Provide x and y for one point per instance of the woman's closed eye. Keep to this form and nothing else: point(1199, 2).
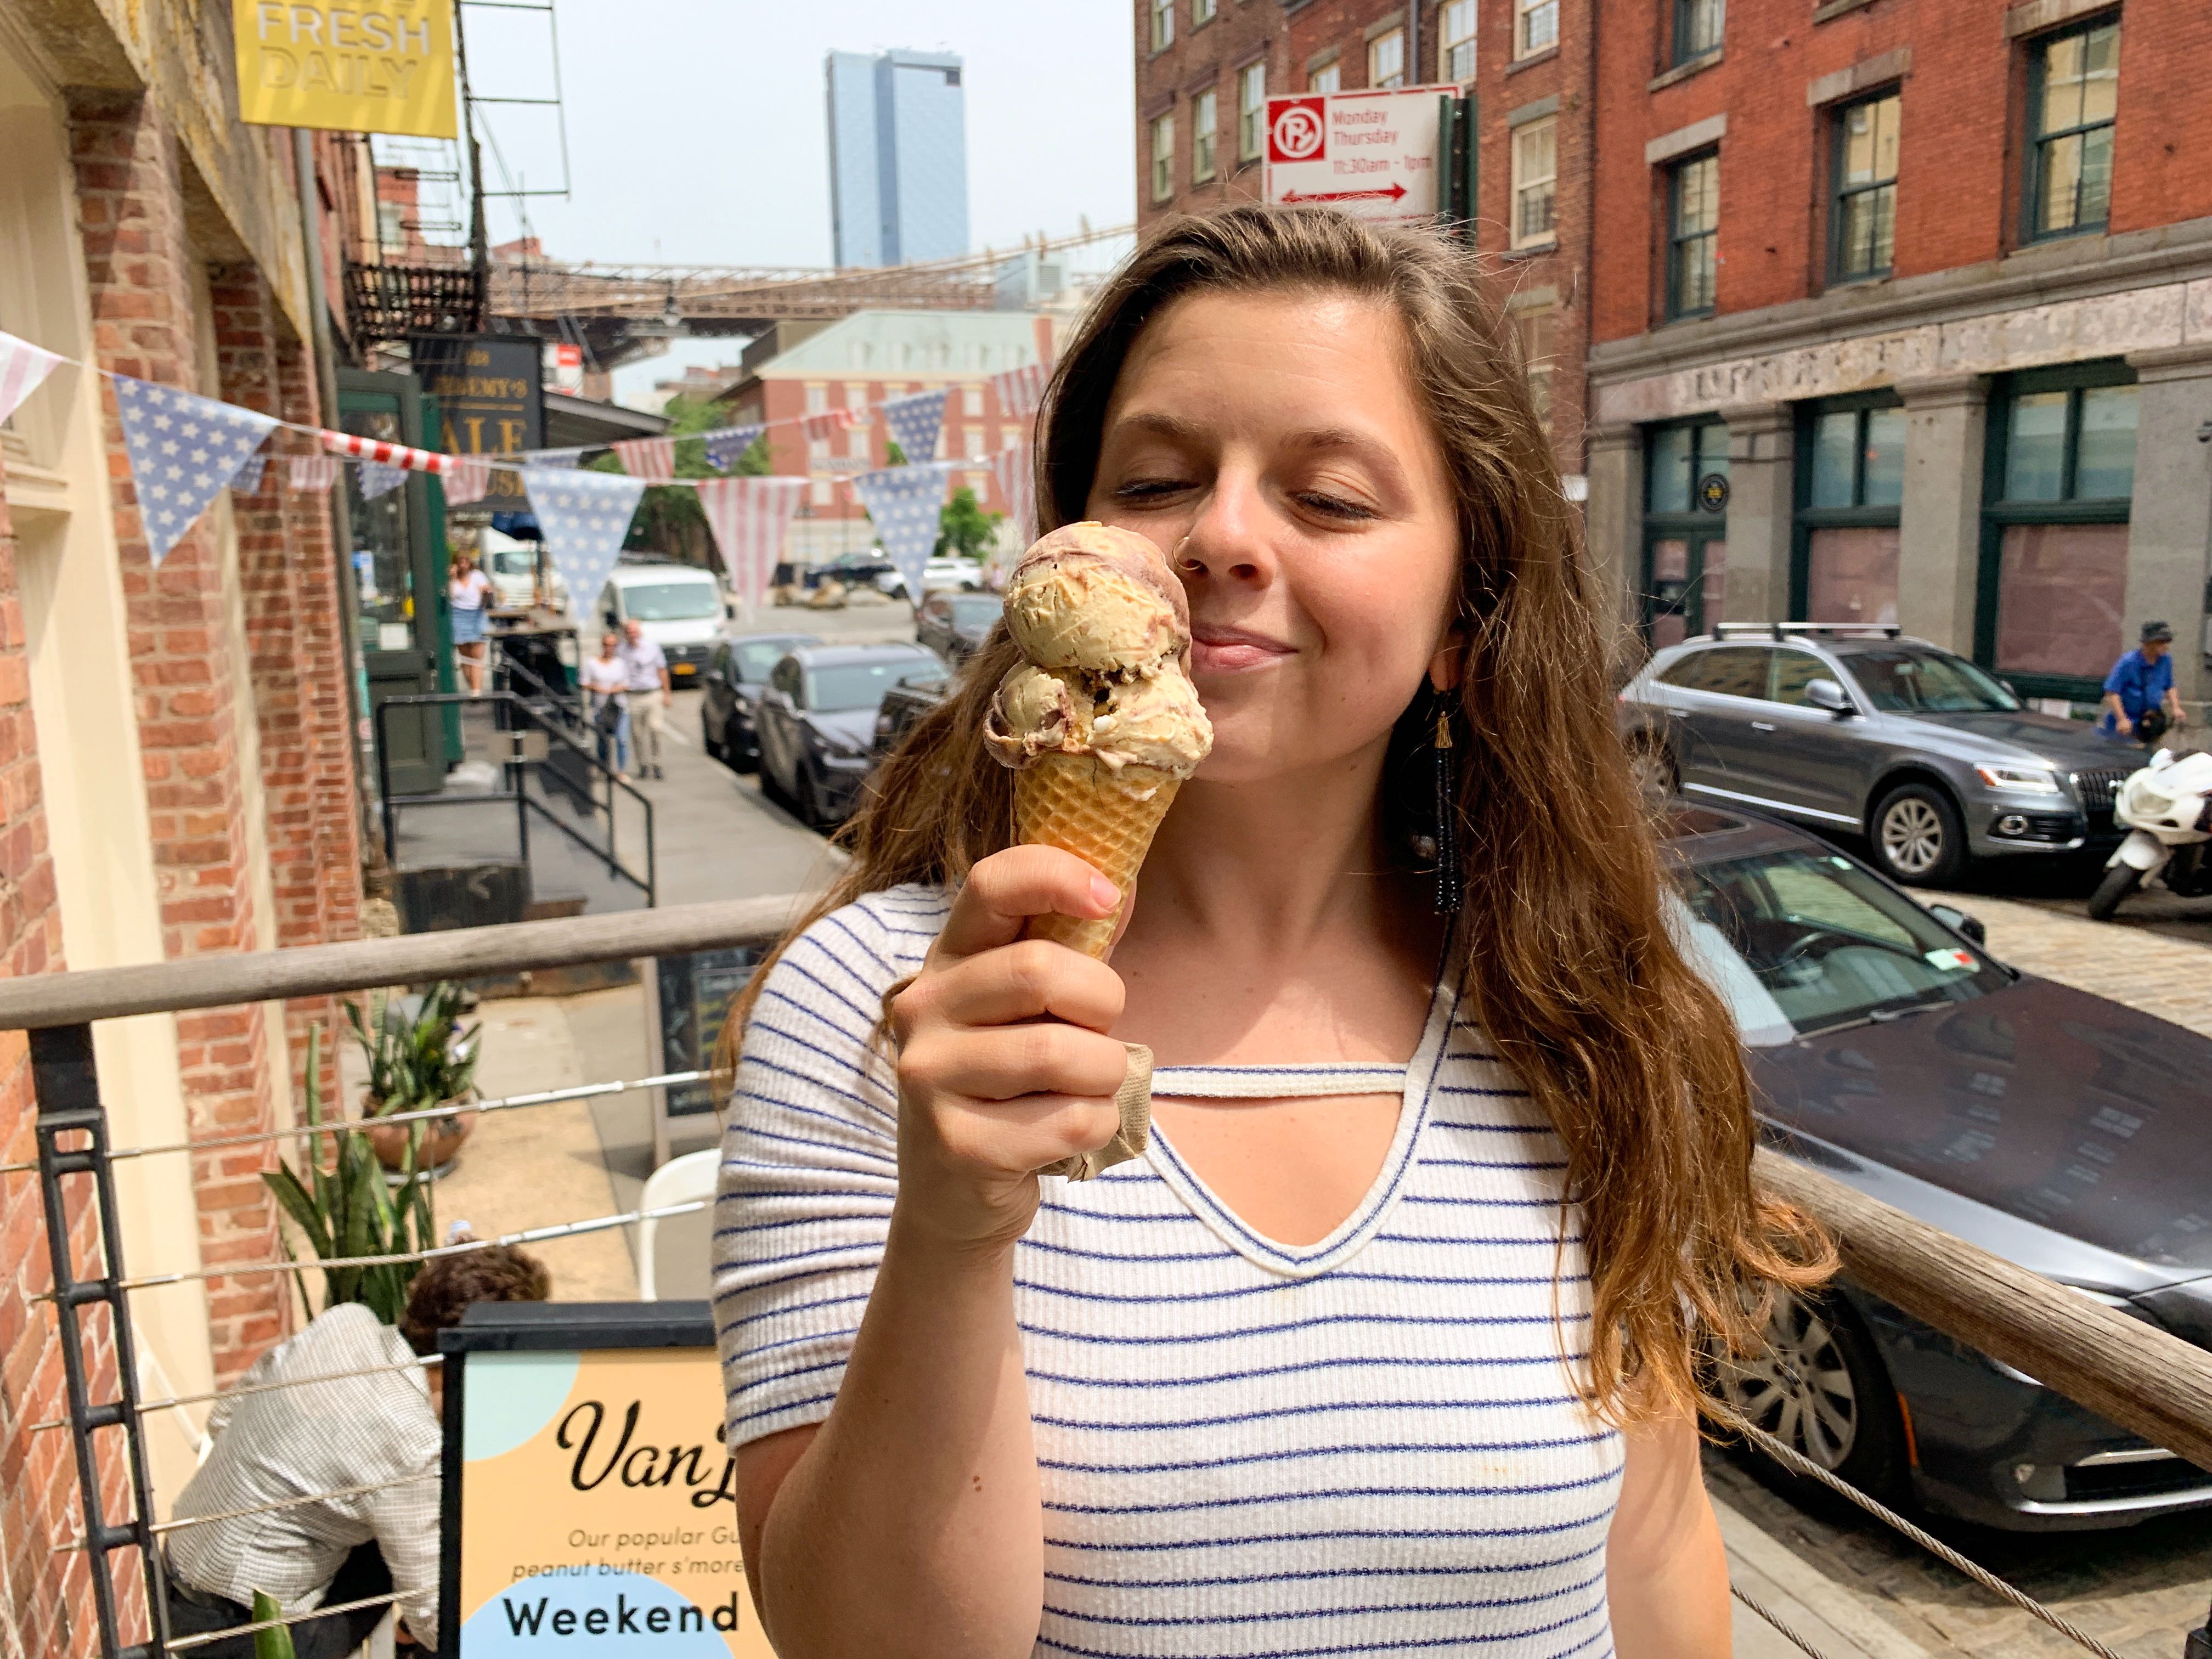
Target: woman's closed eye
point(1145, 491)
point(1340, 507)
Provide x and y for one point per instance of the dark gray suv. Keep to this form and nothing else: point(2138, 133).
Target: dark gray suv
point(1864, 729)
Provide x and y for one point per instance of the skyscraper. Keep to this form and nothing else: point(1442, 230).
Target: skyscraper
point(898, 157)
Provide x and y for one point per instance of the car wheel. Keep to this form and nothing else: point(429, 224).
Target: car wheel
point(2113, 891)
point(1653, 769)
point(1918, 838)
point(807, 802)
point(1821, 1390)
point(707, 741)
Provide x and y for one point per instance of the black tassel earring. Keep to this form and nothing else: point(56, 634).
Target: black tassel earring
point(1447, 822)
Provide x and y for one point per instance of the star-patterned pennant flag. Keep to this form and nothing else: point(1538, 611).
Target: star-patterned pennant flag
point(903, 502)
point(183, 450)
point(22, 368)
point(583, 517)
point(377, 479)
point(550, 457)
point(749, 518)
point(725, 448)
point(1019, 390)
point(652, 459)
point(468, 478)
point(914, 423)
point(246, 481)
point(312, 471)
point(1016, 470)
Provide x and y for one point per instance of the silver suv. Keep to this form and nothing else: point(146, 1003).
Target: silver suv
point(1863, 729)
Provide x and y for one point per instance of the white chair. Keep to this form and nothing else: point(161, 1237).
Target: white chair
point(679, 1181)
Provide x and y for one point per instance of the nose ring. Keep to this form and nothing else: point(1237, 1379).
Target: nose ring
point(1182, 563)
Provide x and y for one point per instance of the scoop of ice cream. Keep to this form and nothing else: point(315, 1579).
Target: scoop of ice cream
point(1036, 711)
point(1157, 722)
point(1091, 597)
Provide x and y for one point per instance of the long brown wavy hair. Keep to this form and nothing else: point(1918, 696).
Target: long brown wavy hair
point(1561, 943)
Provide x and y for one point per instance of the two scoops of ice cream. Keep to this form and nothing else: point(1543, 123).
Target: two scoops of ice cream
point(1099, 721)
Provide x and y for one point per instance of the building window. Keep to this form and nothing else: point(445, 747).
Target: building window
point(817, 397)
point(1684, 534)
point(1203, 116)
point(975, 450)
point(2060, 480)
point(1328, 78)
point(1201, 11)
point(1535, 183)
point(1163, 24)
point(1694, 217)
point(1386, 60)
point(1535, 26)
point(1456, 42)
point(1850, 482)
point(1863, 218)
point(2074, 92)
point(1164, 157)
point(1539, 354)
point(1698, 27)
point(1251, 110)
point(971, 400)
point(856, 445)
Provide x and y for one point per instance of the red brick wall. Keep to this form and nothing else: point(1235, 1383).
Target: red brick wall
point(1202, 58)
point(1961, 138)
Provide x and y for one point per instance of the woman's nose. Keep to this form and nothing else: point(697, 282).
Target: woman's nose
point(1227, 541)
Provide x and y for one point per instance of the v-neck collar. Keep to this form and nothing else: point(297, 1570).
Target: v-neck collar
point(1310, 1260)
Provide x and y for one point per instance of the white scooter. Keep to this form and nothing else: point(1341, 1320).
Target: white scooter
point(2165, 807)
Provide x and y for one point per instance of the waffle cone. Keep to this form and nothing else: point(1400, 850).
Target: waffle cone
point(1103, 817)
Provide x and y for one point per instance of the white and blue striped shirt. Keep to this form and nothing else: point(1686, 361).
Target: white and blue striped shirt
point(1367, 1445)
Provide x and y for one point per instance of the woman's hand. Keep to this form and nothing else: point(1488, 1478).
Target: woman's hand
point(1003, 1063)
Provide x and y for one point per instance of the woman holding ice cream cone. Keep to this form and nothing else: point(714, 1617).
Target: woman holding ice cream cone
point(1377, 1332)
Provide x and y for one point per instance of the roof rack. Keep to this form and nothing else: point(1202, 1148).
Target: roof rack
point(1777, 630)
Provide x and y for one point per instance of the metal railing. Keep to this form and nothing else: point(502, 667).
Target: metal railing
point(2136, 1375)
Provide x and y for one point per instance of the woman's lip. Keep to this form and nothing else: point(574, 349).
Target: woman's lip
point(1232, 650)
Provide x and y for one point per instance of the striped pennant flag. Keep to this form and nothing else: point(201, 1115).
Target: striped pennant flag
point(652, 459)
point(312, 471)
point(22, 368)
point(831, 421)
point(751, 518)
point(1016, 470)
point(1019, 390)
point(467, 479)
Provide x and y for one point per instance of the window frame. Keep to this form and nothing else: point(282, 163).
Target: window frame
point(1518, 186)
point(1164, 32)
point(2000, 513)
point(1203, 12)
point(1806, 518)
point(2037, 146)
point(1677, 171)
point(1375, 78)
point(1205, 136)
point(1251, 112)
point(1685, 14)
point(1524, 11)
point(1162, 157)
point(1448, 44)
point(1334, 70)
point(1837, 190)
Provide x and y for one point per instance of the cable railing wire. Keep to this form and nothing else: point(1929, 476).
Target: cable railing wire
point(181, 1644)
point(1798, 1463)
point(147, 1407)
point(1783, 1629)
point(276, 1507)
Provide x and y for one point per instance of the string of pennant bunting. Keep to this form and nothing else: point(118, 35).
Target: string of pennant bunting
point(184, 449)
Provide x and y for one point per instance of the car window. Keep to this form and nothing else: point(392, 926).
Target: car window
point(975, 610)
point(1793, 672)
point(1734, 670)
point(673, 601)
point(1903, 679)
point(937, 611)
point(1799, 941)
point(855, 685)
point(757, 662)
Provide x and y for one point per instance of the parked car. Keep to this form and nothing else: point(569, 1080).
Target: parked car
point(680, 607)
point(955, 625)
point(951, 572)
point(866, 567)
point(816, 720)
point(1934, 760)
point(737, 671)
point(1891, 1051)
point(902, 705)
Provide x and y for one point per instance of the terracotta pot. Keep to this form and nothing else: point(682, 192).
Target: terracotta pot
point(442, 1138)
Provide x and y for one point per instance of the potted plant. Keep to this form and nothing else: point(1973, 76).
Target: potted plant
point(351, 1208)
point(415, 1063)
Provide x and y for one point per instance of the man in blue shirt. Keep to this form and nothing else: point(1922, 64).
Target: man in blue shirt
point(2140, 701)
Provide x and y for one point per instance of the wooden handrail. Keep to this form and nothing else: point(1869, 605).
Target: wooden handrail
point(2135, 1374)
point(215, 982)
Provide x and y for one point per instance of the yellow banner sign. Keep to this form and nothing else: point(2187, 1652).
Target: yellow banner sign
point(347, 65)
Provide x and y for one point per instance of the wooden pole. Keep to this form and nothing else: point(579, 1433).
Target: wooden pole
point(2120, 1368)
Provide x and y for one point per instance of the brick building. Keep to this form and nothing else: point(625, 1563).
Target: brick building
point(813, 368)
point(1205, 68)
point(176, 772)
point(1924, 288)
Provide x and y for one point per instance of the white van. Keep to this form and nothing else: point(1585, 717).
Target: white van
point(513, 567)
point(679, 607)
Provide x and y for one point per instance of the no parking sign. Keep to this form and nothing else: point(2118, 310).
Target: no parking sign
point(1370, 154)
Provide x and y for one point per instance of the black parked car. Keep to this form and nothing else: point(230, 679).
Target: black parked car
point(902, 705)
point(2054, 1128)
point(955, 625)
point(737, 671)
point(816, 720)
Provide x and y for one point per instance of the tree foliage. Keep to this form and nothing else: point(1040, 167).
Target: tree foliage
point(964, 528)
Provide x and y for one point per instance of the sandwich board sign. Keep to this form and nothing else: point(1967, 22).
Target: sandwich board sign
point(1370, 154)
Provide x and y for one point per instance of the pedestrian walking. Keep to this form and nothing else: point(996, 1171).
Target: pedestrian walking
point(2140, 701)
point(468, 593)
point(1390, 1338)
point(646, 668)
point(606, 683)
